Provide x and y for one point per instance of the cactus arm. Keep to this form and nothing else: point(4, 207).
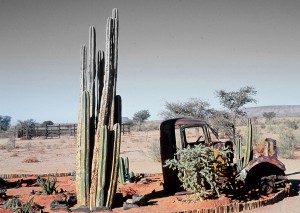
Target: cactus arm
point(238, 155)
point(121, 171)
point(100, 196)
point(114, 166)
point(126, 167)
point(249, 146)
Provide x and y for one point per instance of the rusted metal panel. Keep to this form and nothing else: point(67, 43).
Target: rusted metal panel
point(265, 159)
point(188, 121)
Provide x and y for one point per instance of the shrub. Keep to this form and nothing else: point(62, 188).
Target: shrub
point(28, 146)
point(263, 126)
point(287, 144)
point(12, 204)
point(11, 144)
point(154, 152)
point(199, 169)
point(15, 205)
point(30, 160)
point(292, 125)
point(14, 155)
point(8, 133)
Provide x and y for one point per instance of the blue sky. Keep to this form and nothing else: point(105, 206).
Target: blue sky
point(169, 50)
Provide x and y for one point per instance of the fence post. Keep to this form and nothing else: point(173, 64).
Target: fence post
point(74, 129)
point(58, 130)
point(46, 133)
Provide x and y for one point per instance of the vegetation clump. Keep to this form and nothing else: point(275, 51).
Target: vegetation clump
point(48, 186)
point(287, 145)
point(199, 169)
point(16, 206)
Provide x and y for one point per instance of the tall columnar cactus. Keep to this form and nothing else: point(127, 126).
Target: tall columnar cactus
point(99, 120)
point(242, 159)
point(249, 146)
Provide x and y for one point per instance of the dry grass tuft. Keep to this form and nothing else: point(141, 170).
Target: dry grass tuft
point(31, 159)
point(14, 155)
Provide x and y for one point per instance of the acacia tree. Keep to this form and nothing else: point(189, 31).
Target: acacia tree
point(193, 108)
point(233, 101)
point(48, 123)
point(221, 120)
point(4, 122)
point(140, 116)
point(26, 127)
point(269, 115)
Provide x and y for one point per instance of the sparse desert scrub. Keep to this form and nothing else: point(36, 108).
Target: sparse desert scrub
point(154, 151)
point(41, 150)
point(31, 159)
point(287, 144)
point(15, 154)
point(292, 124)
point(28, 146)
point(9, 145)
point(62, 140)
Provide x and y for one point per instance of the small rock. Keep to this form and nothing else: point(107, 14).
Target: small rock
point(129, 201)
point(82, 209)
point(139, 200)
point(24, 184)
point(101, 209)
point(127, 206)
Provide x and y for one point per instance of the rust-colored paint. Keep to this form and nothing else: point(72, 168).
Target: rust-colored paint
point(264, 159)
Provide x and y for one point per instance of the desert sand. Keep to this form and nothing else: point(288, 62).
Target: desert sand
point(57, 155)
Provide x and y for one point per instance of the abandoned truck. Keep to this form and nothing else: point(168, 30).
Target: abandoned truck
point(264, 172)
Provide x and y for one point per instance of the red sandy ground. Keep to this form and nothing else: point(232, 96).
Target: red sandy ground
point(58, 155)
point(152, 188)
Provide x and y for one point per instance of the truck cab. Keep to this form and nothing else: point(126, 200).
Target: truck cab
point(179, 133)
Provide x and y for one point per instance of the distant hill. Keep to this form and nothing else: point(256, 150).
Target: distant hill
point(281, 110)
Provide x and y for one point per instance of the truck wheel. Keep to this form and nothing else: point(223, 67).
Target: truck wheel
point(266, 186)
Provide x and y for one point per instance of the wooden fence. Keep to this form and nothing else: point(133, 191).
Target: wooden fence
point(57, 130)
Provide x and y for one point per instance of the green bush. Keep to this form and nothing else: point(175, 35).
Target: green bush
point(199, 169)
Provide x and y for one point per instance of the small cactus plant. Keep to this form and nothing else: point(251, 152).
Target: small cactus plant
point(124, 174)
point(48, 186)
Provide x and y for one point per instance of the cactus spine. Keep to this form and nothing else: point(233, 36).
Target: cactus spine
point(99, 120)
